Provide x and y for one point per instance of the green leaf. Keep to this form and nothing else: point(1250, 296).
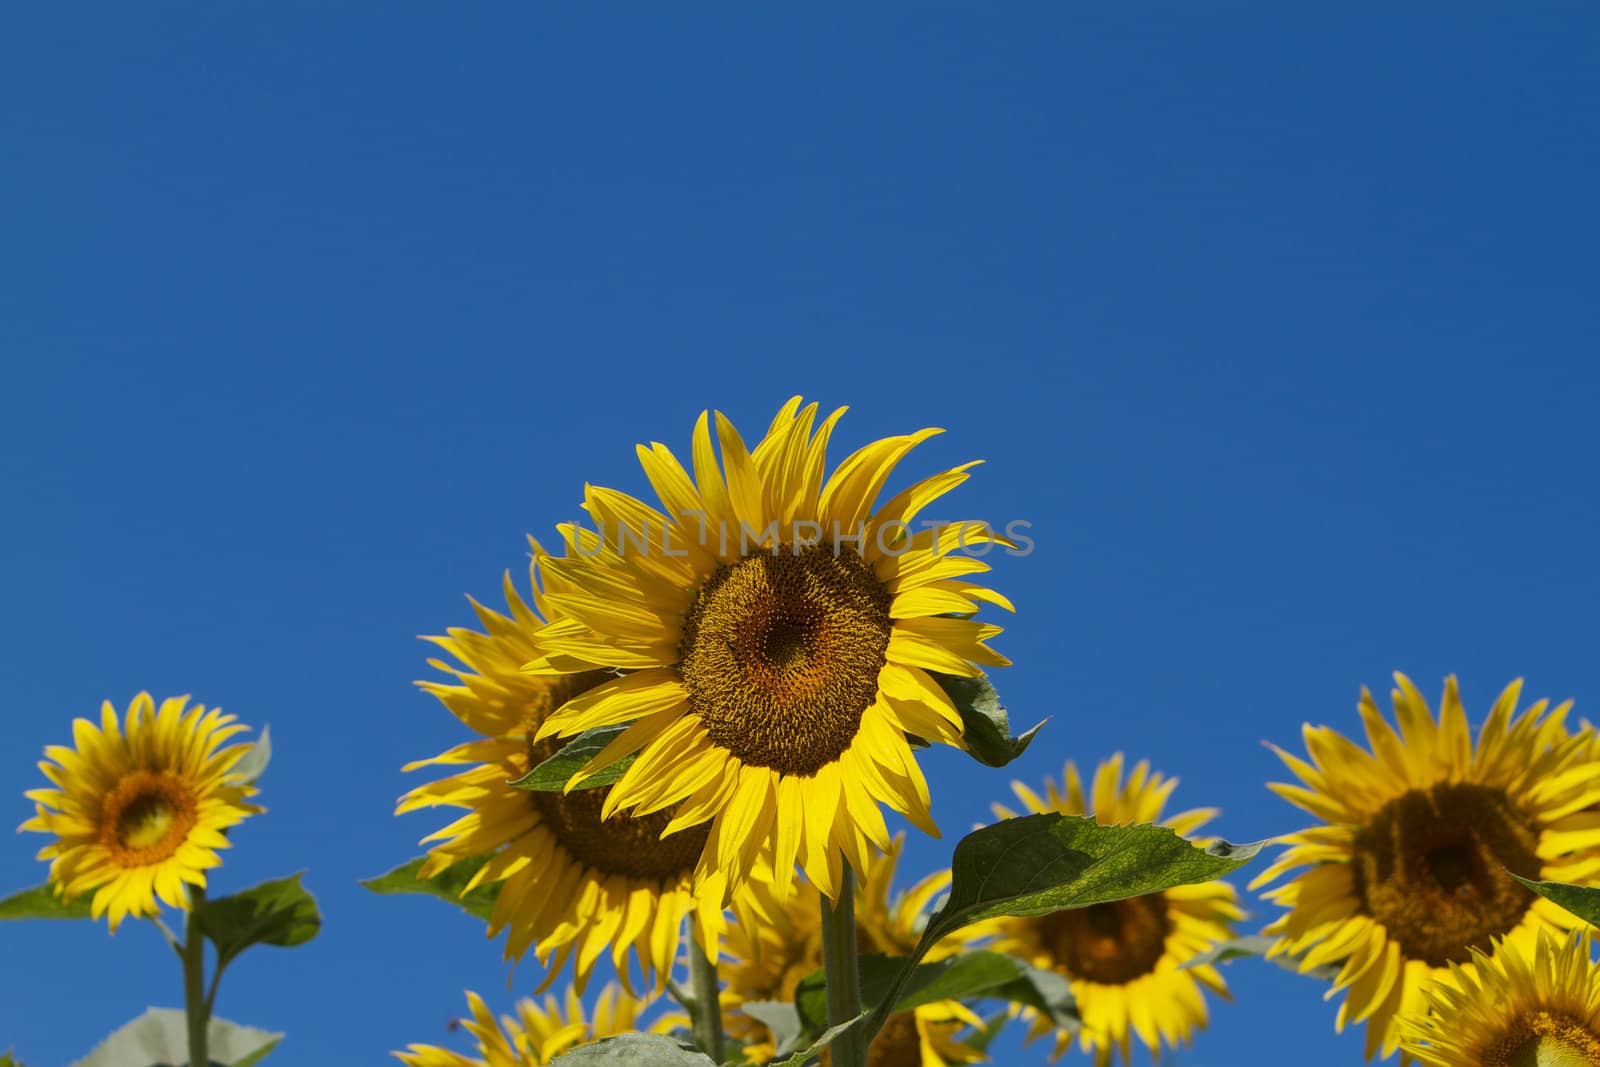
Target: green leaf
point(968, 976)
point(822, 1042)
point(448, 885)
point(252, 764)
point(984, 722)
point(552, 775)
point(980, 1040)
point(1583, 901)
point(278, 913)
point(780, 1017)
point(1255, 946)
point(41, 902)
point(1038, 864)
point(635, 1050)
point(159, 1038)
point(9, 1060)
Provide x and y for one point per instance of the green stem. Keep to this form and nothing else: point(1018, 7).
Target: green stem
point(196, 1011)
point(707, 1000)
point(842, 967)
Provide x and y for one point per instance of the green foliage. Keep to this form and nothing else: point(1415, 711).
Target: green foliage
point(254, 763)
point(984, 722)
point(780, 1017)
point(1255, 946)
point(1583, 901)
point(969, 976)
point(449, 884)
point(554, 773)
point(41, 902)
point(634, 1050)
point(159, 1038)
point(9, 1060)
point(279, 912)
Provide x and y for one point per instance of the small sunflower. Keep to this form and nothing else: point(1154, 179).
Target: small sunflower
point(1126, 959)
point(140, 810)
point(777, 940)
point(1407, 874)
point(574, 887)
point(1505, 1012)
point(537, 1034)
point(779, 626)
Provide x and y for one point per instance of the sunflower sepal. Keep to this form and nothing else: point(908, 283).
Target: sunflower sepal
point(44, 902)
point(1259, 946)
point(159, 1036)
point(1581, 900)
point(279, 912)
point(635, 1050)
point(453, 884)
point(565, 771)
point(985, 726)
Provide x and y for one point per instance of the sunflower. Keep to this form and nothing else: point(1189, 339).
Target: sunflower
point(537, 1034)
point(141, 810)
point(1408, 872)
point(572, 887)
point(1125, 960)
point(777, 940)
point(779, 628)
point(1504, 1011)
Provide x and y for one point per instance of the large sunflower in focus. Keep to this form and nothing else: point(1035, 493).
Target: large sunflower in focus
point(537, 1034)
point(140, 810)
point(1126, 960)
point(779, 624)
point(1407, 874)
point(573, 886)
point(776, 941)
point(1506, 1011)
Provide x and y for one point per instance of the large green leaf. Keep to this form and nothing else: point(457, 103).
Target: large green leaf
point(448, 885)
point(968, 976)
point(279, 912)
point(984, 722)
point(253, 764)
point(553, 774)
point(41, 902)
point(635, 1050)
point(1582, 900)
point(159, 1038)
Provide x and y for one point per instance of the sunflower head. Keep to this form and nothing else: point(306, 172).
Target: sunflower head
point(779, 623)
point(1125, 960)
point(574, 885)
point(1510, 1009)
point(537, 1033)
point(1405, 878)
point(140, 808)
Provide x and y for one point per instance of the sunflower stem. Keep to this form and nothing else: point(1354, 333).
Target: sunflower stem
point(842, 968)
point(707, 1006)
point(195, 1009)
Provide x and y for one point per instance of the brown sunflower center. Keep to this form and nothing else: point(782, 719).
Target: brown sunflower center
point(621, 845)
point(1110, 943)
point(781, 655)
point(146, 817)
point(897, 1045)
point(1544, 1039)
point(1431, 867)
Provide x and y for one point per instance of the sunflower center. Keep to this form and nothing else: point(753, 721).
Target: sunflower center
point(1431, 867)
point(1110, 943)
point(897, 1045)
point(621, 845)
point(1544, 1039)
point(781, 655)
point(146, 817)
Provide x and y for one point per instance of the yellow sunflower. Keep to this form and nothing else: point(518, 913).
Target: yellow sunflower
point(1504, 1011)
point(537, 1034)
point(777, 940)
point(1407, 873)
point(1125, 960)
point(779, 626)
point(573, 887)
point(139, 811)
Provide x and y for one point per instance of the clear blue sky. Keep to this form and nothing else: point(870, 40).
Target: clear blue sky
point(1281, 331)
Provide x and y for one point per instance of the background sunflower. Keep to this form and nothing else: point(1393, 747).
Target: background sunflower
point(537, 1033)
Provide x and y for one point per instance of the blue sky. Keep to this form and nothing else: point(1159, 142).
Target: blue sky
point(1280, 330)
